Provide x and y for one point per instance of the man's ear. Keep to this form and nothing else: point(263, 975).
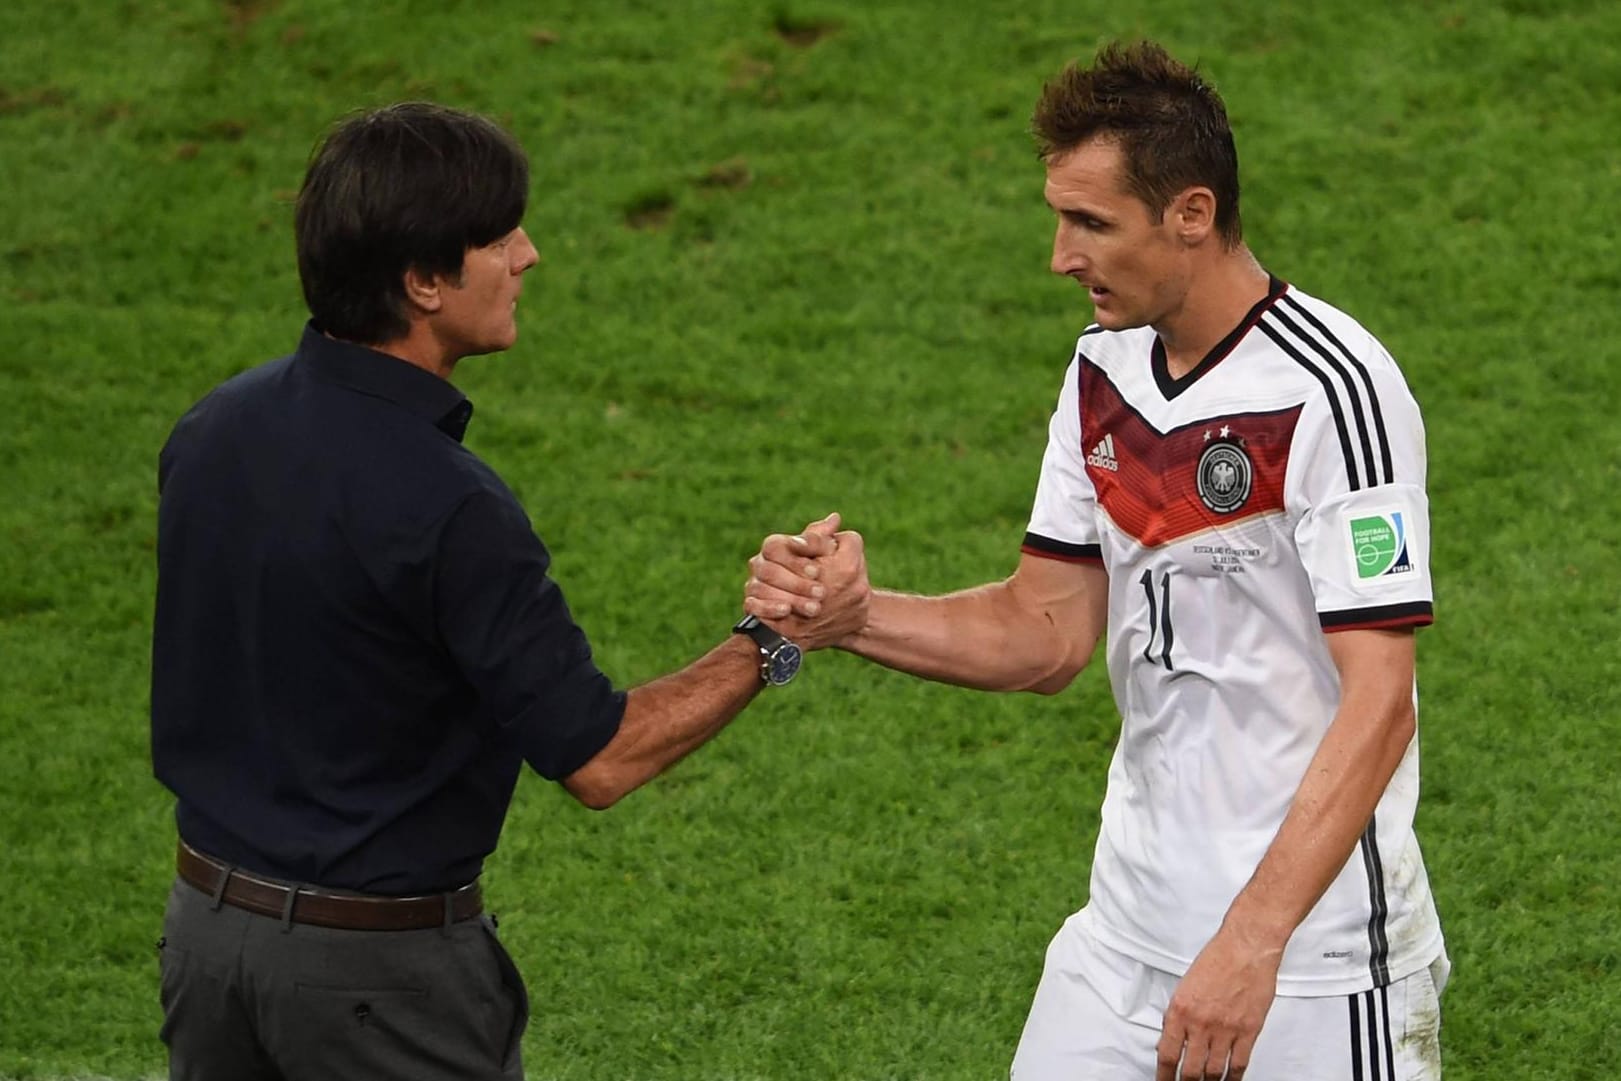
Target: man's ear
point(1194, 212)
point(422, 290)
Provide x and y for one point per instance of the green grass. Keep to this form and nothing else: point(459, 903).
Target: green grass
point(794, 260)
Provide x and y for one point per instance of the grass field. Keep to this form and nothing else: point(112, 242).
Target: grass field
point(794, 260)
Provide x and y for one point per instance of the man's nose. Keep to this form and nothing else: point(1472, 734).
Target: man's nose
point(1067, 258)
point(526, 255)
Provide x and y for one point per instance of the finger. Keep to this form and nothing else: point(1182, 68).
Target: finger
point(796, 552)
point(1239, 1061)
point(771, 608)
point(826, 527)
point(1168, 1056)
point(851, 545)
point(1194, 1058)
point(812, 543)
point(774, 603)
point(849, 558)
point(799, 579)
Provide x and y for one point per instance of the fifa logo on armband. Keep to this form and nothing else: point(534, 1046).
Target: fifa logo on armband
point(1379, 545)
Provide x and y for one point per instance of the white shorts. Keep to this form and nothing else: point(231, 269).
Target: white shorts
point(1098, 1014)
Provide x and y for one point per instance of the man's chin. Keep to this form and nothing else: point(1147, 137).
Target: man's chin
point(495, 344)
point(1110, 319)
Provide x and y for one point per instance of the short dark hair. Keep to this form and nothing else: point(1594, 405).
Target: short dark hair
point(1169, 122)
point(409, 185)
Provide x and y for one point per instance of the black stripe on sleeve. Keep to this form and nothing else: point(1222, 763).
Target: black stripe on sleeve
point(1367, 380)
point(1038, 545)
point(1353, 397)
point(1413, 614)
point(1328, 391)
point(1379, 945)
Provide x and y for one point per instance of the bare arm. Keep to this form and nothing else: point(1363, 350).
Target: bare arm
point(1350, 772)
point(1034, 631)
point(1222, 1001)
point(667, 719)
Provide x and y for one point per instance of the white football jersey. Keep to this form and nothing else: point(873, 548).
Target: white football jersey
point(1273, 494)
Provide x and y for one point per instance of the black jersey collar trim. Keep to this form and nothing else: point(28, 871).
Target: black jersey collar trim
point(1170, 387)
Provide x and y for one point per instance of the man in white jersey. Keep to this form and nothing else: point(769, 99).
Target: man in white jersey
point(1233, 487)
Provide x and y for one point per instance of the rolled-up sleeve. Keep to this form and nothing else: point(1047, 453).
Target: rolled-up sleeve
point(509, 630)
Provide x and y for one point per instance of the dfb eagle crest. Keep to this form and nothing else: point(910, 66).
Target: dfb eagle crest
point(1225, 474)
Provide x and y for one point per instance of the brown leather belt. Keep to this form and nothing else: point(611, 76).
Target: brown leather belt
point(301, 904)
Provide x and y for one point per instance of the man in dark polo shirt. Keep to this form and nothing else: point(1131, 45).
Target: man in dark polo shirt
point(357, 645)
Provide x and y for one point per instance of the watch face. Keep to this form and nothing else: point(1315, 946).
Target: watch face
point(783, 664)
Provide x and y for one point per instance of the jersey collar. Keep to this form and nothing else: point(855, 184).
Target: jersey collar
point(1170, 386)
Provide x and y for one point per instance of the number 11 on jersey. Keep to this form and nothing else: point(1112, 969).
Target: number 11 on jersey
point(1159, 619)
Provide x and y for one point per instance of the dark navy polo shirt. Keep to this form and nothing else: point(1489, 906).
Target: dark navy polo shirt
point(356, 643)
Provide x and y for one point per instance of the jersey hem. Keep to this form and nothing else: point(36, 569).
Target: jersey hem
point(1397, 969)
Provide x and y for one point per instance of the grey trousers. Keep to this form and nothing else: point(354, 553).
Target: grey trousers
point(247, 998)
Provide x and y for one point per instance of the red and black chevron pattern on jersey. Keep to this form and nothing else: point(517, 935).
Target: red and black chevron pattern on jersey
point(1153, 493)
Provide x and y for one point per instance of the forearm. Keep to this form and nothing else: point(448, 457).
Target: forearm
point(1033, 631)
point(668, 718)
point(1331, 809)
point(981, 638)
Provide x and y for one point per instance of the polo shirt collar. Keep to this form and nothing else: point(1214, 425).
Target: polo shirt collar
point(367, 371)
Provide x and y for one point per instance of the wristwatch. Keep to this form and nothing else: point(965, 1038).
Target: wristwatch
point(779, 658)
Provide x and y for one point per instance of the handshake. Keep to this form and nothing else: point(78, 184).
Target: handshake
point(812, 586)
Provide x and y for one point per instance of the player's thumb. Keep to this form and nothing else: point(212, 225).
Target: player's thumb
point(817, 539)
point(826, 527)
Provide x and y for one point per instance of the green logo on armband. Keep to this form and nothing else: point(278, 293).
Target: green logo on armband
point(1379, 545)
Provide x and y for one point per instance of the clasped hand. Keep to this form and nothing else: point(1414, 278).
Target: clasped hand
point(811, 586)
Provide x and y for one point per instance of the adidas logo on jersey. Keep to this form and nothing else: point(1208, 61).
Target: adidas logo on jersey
point(1102, 456)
